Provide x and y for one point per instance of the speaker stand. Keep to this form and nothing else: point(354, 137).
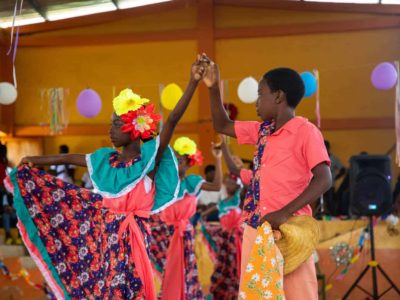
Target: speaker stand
point(374, 265)
point(320, 210)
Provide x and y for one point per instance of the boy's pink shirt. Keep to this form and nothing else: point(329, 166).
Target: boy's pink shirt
point(289, 156)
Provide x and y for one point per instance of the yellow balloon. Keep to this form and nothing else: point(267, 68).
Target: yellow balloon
point(171, 95)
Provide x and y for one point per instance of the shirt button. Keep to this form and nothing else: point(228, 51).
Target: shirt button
point(264, 208)
point(263, 165)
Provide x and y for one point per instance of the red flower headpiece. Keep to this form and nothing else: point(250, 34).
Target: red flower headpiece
point(196, 159)
point(141, 122)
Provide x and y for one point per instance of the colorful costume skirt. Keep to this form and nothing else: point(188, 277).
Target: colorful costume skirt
point(161, 236)
point(225, 249)
point(76, 241)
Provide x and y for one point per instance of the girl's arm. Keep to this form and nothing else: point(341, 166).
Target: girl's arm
point(209, 211)
point(59, 159)
point(217, 182)
point(232, 167)
point(197, 71)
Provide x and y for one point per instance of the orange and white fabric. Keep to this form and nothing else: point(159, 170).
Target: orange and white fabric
point(262, 278)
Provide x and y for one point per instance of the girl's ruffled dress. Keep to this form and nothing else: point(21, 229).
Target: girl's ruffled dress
point(93, 245)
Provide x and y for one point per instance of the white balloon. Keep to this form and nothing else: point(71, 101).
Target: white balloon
point(8, 93)
point(247, 90)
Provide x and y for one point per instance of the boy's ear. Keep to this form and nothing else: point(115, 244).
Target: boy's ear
point(279, 97)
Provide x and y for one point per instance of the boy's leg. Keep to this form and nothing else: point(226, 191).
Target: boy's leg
point(249, 236)
point(302, 283)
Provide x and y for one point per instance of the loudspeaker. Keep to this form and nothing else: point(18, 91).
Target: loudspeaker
point(370, 185)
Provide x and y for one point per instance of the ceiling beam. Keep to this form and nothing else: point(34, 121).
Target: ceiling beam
point(38, 8)
point(106, 39)
point(105, 17)
point(374, 23)
point(315, 6)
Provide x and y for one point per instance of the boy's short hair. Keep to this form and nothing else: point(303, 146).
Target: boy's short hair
point(288, 81)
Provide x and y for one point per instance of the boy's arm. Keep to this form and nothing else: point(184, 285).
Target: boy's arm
point(320, 183)
point(222, 123)
point(59, 159)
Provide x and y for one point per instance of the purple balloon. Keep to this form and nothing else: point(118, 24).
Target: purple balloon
point(384, 76)
point(88, 103)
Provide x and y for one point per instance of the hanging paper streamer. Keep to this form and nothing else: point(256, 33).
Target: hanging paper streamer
point(12, 27)
point(397, 114)
point(15, 46)
point(57, 112)
point(317, 104)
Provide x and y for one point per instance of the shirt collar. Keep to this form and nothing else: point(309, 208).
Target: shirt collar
point(292, 125)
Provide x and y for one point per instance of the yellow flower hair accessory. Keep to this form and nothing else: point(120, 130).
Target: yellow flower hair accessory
point(185, 146)
point(127, 101)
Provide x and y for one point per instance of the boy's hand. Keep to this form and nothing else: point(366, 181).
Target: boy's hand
point(275, 219)
point(211, 78)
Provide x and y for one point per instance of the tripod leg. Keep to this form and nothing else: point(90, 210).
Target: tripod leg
point(388, 279)
point(356, 282)
point(375, 284)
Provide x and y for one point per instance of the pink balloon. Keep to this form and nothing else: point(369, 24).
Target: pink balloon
point(384, 76)
point(88, 103)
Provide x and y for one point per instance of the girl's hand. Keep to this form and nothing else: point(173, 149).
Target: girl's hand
point(31, 161)
point(199, 69)
point(238, 161)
